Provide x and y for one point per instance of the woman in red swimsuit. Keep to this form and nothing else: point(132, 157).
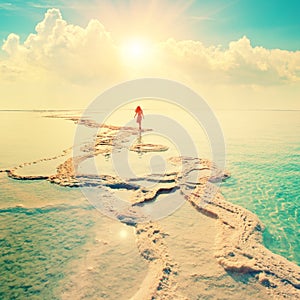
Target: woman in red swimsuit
point(140, 115)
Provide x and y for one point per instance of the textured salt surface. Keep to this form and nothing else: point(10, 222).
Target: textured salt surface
point(38, 169)
point(239, 246)
point(190, 237)
point(240, 249)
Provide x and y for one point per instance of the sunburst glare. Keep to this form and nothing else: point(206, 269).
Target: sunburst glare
point(136, 50)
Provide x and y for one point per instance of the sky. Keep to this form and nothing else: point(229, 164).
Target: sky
point(236, 54)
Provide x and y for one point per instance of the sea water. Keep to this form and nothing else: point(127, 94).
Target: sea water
point(53, 243)
point(47, 232)
point(263, 157)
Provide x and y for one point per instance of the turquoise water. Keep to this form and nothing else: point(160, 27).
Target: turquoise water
point(35, 247)
point(54, 243)
point(264, 161)
point(50, 246)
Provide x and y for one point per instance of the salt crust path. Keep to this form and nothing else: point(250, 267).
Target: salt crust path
point(240, 249)
point(13, 172)
point(160, 282)
point(239, 240)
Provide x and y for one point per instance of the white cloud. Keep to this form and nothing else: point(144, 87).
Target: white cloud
point(84, 60)
point(239, 64)
point(12, 45)
point(70, 51)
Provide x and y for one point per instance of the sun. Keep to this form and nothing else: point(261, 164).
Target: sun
point(136, 50)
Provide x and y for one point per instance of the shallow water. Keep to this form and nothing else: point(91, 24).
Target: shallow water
point(27, 136)
point(264, 161)
point(191, 242)
point(57, 241)
point(52, 238)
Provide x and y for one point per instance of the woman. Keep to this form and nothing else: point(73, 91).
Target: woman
point(140, 115)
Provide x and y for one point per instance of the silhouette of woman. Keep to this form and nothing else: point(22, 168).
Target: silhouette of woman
point(140, 115)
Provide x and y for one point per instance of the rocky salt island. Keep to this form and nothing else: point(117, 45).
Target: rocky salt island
point(238, 246)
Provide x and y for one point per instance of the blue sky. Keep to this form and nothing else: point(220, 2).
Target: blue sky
point(271, 24)
point(84, 47)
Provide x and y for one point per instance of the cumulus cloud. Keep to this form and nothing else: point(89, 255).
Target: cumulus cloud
point(85, 59)
point(12, 44)
point(240, 63)
point(72, 52)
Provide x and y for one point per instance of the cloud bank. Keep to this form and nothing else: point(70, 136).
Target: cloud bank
point(239, 64)
point(74, 53)
point(76, 58)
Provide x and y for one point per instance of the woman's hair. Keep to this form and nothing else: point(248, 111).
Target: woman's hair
point(138, 109)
